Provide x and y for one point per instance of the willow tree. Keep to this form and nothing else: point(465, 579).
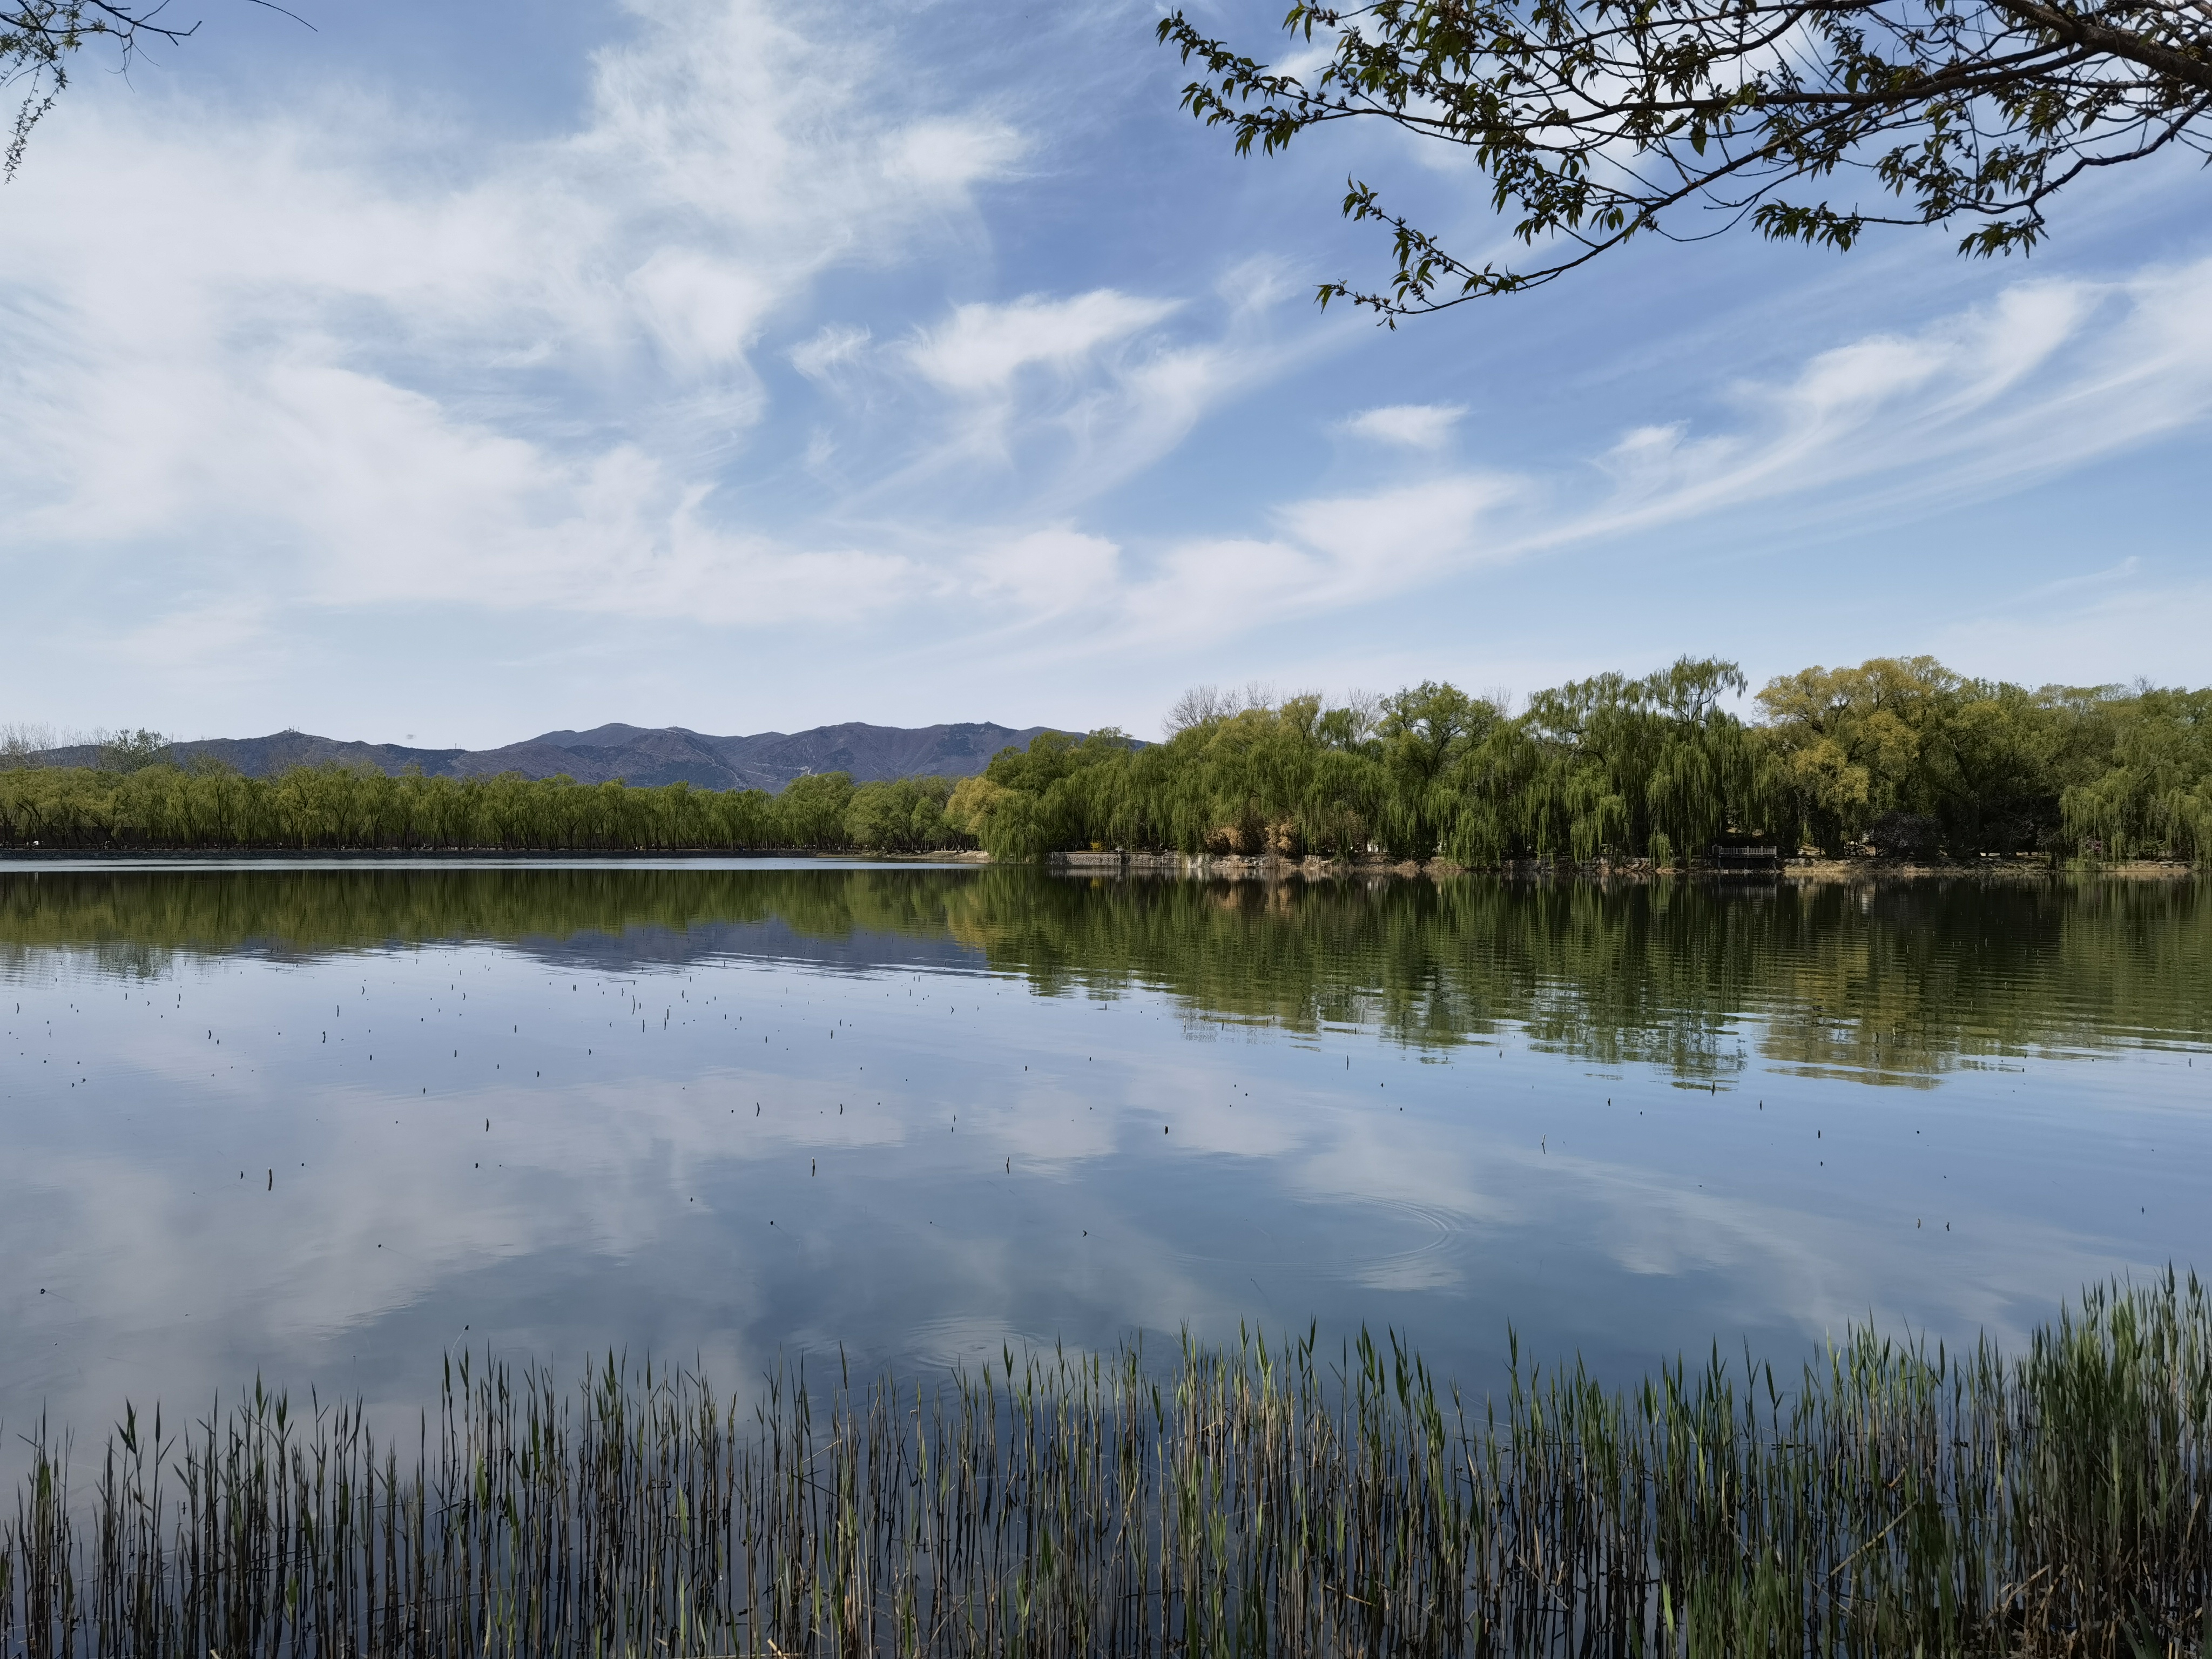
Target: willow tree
point(2156, 793)
point(130, 752)
point(1595, 122)
point(1423, 735)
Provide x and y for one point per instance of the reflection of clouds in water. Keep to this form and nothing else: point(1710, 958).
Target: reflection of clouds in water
point(200, 1270)
point(1811, 1267)
point(642, 1205)
point(606, 1209)
point(1211, 1109)
point(1436, 1165)
point(1050, 1126)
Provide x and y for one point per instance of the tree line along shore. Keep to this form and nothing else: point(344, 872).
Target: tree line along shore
point(1897, 757)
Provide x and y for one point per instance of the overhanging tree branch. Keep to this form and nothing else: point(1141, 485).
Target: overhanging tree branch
point(2088, 33)
point(37, 38)
point(1596, 121)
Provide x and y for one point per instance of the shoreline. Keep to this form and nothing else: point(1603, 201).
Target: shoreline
point(1201, 866)
point(41, 857)
point(1867, 870)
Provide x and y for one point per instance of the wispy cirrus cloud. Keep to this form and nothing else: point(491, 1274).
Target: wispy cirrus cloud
point(765, 335)
point(1411, 426)
point(1322, 553)
point(1042, 405)
point(2047, 376)
point(834, 347)
point(352, 381)
point(982, 348)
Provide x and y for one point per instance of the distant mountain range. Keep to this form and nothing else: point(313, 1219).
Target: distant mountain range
point(636, 754)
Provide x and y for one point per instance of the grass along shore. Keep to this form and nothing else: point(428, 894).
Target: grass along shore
point(1891, 1500)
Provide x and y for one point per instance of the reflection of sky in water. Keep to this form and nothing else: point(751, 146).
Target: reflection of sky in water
point(750, 1141)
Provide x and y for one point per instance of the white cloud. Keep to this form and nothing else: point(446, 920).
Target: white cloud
point(942, 156)
point(320, 359)
point(1306, 64)
point(2046, 377)
point(349, 378)
point(1329, 551)
point(703, 311)
point(1415, 425)
point(835, 346)
point(417, 507)
point(1048, 403)
point(1047, 572)
point(1400, 536)
point(982, 347)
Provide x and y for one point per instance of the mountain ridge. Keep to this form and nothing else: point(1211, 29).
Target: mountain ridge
point(639, 755)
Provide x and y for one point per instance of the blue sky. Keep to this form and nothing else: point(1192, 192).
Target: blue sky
point(465, 371)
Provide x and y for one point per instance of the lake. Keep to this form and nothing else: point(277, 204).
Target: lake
point(325, 1123)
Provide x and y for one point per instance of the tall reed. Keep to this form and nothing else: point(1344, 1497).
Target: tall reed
point(1258, 1499)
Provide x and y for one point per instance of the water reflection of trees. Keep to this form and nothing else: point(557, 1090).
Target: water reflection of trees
point(1893, 984)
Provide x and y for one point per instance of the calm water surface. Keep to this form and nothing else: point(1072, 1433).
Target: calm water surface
point(324, 1125)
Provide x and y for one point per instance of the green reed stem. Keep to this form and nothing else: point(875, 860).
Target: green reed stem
point(1252, 1499)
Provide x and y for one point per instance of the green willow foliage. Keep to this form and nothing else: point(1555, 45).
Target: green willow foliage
point(338, 808)
point(1898, 754)
point(1901, 755)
